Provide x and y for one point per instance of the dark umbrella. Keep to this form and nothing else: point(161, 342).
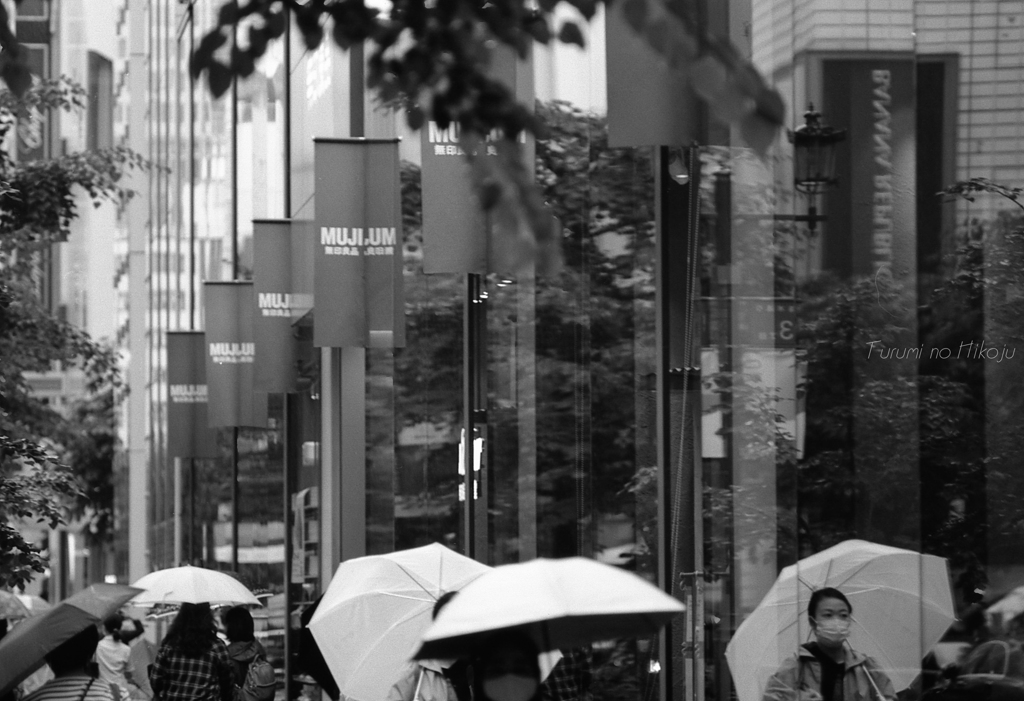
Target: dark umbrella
point(22, 651)
point(311, 661)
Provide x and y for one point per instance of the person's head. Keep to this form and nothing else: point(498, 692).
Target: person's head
point(507, 669)
point(829, 612)
point(71, 656)
point(193, 630)
point(131, 628)
point(238, 625)
point(441, 602)
point(112, 624)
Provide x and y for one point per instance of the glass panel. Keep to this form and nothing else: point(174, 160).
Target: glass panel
point(260, 137)
point(304, 514)
point(424, 504)
point(261, 527)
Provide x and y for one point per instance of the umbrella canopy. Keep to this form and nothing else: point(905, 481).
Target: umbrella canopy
point(11, 606)
point(1008, 607)
point(34, 604)
point(369, 620)
point(902, 605)
point(192, 585)
point(559, 603)
point(22, 651)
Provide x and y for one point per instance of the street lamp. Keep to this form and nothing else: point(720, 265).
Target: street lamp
point(814, 161)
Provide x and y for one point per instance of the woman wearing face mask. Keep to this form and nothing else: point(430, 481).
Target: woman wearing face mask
point(506, 669)
point(827, 668)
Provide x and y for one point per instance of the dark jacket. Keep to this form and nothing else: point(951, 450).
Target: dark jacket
point(241, 655)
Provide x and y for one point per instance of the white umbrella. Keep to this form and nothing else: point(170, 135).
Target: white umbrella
point(902, 605)
point(34, 604)
point(371, 616)
point(1007, 607)
point(192, 585)
point(559, 603)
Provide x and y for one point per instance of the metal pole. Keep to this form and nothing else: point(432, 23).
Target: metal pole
point(192, 288)
point(234, 498)
point(469, 363)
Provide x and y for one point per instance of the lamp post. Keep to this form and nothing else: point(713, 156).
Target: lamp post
point(814, 161)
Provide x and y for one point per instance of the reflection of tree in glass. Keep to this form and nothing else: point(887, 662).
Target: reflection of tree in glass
point(427, 393)
point(595, 344)
point(964, 411)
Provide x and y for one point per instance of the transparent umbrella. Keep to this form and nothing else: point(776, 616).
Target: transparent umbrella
point(902, 605)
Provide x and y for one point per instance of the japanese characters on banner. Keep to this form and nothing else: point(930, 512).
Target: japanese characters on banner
point(278, 305)
point(358, 236)
point(456, 236)
point(188, 432)
point(231, 356)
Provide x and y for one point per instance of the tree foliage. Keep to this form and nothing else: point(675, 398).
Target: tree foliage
point(433, 61)
point(38, 202)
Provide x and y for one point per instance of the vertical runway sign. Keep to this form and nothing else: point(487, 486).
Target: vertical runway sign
point(188, 432)
point(357, 277)
point(278, 305)
point(872, 215)
point(231, 355)
point(456, 235)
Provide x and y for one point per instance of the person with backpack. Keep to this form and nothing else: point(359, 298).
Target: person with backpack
point(252, 676)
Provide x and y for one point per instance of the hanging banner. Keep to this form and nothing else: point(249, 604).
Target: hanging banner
point(357, 267)
point(188, 432)
point(872, 215)
point(278, 305)
point(456, 235)
point(231, 355)
point(650, 103)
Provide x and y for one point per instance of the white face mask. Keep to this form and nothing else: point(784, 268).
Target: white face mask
point(833, 631)
point(510, 687)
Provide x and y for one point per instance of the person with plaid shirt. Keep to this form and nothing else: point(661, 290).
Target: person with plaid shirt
point(192, 663)
point(570, 678)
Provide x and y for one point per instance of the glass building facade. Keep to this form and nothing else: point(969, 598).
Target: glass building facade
point(707, 391)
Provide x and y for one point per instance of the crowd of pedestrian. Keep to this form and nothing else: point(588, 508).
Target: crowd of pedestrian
point(201, 660)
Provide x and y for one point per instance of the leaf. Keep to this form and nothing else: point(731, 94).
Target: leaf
point(276, 24)
point(340, 32)
point(490, 194)
point(587, 8)
point(771, 106)
point(635, 12)
point(415, 118)
point(658, 37)
point(313, 38)
point(219, 77)
point(538, 28)
point(228, 14)
point(242, 64)
point(17, 76)
point(758, 132)
point(570, 34)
